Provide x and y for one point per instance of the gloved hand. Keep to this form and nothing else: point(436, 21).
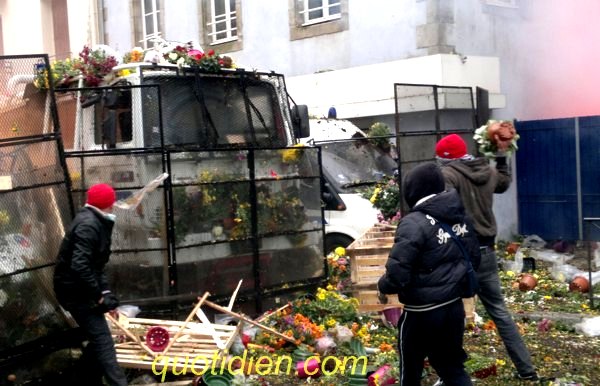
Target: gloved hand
point(109, 302)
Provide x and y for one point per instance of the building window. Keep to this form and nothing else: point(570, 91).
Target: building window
point(222, 26)
point(318, 11)
point(151, 22)
point(310, 18)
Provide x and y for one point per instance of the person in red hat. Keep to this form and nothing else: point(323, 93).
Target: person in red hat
point(477, 181)
point(82, 288)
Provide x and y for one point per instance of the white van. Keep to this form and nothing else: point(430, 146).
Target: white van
point(350, 162)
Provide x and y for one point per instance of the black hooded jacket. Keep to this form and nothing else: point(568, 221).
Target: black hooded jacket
point(426, 266)
point(79, 276)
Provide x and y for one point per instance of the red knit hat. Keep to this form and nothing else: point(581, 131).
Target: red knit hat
point(451, 146)
point(101, 196)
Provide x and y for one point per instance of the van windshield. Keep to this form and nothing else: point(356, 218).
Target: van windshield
point(355, 163)
point(213, 111)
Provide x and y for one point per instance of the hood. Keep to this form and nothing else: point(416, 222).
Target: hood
point(446, 207)
point(423, 180)
point(477, 170)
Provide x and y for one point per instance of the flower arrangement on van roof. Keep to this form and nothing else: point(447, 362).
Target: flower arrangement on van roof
point(190, 56)
point(95, 64)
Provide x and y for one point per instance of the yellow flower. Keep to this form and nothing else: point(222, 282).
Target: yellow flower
point(584, 306)
point(500, 362)
point(331, 323)
point(374, 196)
point(547, 297)
point(124, 72)
point(4, 218)
point(321, 296)
point(340, 251)
point(330, 287)
point(510, 274)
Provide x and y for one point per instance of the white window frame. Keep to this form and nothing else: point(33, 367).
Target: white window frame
point(154, 12)
point(325, 6)
point(503, 3)
point(227, 17)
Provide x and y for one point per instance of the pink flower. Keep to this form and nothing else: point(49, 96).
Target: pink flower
point(195, 54)
point(342, 261)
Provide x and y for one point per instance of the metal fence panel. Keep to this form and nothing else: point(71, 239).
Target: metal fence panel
point(547, 179)
point(590, 169)
point(35, 206)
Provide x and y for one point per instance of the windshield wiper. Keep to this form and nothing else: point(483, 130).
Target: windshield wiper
point(355, 184)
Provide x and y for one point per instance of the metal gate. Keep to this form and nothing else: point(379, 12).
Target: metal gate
point(557, 175)
point(424, 114)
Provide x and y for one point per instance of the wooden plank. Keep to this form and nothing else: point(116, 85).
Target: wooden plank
point(187, 320)
point(250, 321)
point(129, 334)
point(367, 268)
point(368, 301)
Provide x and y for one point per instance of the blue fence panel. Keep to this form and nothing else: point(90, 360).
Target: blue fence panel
point(589, 127)
point(547, 179)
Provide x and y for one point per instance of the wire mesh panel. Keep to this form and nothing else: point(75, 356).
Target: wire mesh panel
point(246, 214)
point(34, 211)
point(24, 99)
point(35, 207)
point(425, 113)
point(138, 266)
point(29, 310)
point(415, 107)
point(456, 109)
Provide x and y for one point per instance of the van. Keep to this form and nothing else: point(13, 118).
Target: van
point(351, 161)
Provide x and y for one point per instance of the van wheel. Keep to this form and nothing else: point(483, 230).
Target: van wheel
point(334, 240)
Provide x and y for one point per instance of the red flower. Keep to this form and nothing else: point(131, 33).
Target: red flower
point(210, 52)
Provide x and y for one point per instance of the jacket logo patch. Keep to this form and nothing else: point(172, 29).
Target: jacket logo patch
point(431, 219)
point(460, 230)
point(442, 236)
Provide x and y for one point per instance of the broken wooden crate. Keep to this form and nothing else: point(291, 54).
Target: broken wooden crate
point(155, 344)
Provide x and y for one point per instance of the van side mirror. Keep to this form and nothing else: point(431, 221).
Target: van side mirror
point(300, 121)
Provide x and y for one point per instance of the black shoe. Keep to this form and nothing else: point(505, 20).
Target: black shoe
point(528, 377)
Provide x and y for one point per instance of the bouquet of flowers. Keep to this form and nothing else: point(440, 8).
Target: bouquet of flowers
point(496, 136)
point(190, 56)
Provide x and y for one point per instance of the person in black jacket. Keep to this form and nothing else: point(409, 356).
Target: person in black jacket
point(81, 286)
point(427, 270)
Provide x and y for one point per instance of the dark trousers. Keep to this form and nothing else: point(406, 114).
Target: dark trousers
point(99, 356)
point(438, 335)
point(490, 294)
